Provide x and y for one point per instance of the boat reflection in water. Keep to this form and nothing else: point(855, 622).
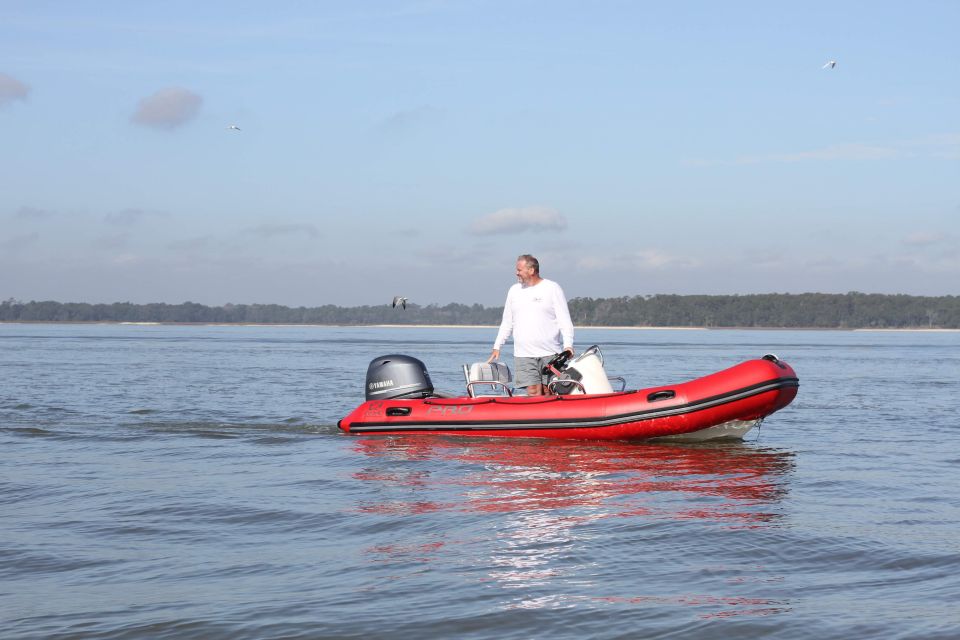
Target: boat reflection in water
point(608, 478)
point(550, 512)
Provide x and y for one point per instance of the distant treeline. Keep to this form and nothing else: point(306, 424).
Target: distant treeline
point(48, 311)
point(774, 310)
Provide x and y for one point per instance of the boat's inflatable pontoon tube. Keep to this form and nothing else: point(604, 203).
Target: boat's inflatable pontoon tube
point(723, 404)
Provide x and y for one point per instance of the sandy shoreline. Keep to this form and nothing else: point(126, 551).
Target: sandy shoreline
point(471, 326)
point(593, 327)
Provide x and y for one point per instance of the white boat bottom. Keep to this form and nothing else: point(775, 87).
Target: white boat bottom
point(732, 430)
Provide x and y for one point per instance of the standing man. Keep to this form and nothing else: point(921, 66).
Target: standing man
point(536, 314)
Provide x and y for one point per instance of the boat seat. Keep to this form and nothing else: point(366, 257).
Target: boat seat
point(487, 379)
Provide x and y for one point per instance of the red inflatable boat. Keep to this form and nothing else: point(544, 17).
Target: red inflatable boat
point(722, 405)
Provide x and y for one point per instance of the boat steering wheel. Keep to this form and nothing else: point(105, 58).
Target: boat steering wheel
point(557, 363)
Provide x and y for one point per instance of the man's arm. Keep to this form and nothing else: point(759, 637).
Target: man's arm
point(506, 328)
point(563, 319)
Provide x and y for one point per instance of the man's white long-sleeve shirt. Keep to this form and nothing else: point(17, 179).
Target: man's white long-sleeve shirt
point(538, 318)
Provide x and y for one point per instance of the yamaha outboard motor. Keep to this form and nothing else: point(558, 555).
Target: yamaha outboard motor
point(397, 376)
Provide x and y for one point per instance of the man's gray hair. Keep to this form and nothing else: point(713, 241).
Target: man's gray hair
point(531, 262)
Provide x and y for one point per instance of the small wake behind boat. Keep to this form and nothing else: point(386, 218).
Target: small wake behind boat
point(722, 405)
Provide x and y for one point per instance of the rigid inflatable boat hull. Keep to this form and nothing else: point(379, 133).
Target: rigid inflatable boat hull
point(725, 404)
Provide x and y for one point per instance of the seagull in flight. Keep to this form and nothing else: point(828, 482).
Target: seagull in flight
point(234, 127)
point(399, 300)
point(832, 64)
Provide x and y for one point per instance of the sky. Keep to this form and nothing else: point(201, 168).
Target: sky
point(417, 148)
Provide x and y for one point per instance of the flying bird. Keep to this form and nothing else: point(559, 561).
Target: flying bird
point(399, 300)
point(832, 64)
point(234, 127)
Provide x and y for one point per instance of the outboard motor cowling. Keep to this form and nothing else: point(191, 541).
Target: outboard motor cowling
point(397, 376)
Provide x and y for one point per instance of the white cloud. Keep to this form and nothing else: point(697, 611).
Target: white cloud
point(20, 242)
point(12, 89)
point(113, 241)
point(33, 213)
point(445, 255)
point(821, 263)
point(197, 243)
point(640, 260)
point(518, 220)
point(130, 217)
point(168, 108)
point(409, 120)
point(854, 151)
point(937, 140)
point(274, 230)
point(945, 146)
point(127, 259)
point(923, 238)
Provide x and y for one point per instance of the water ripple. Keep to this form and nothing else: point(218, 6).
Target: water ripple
point(179, 482)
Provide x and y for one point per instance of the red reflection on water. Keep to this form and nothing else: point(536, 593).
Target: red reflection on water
point(544, 494)
point(733, 606)
point(416, 552)
point(735, 480)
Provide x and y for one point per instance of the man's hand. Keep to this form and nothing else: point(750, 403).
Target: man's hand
point(494, 355)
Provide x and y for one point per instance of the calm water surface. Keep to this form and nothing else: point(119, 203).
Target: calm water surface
point(189, 482)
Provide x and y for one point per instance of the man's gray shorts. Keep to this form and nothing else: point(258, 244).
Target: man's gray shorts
point(528, 371)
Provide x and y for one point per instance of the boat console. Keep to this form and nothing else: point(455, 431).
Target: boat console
point(584, 374)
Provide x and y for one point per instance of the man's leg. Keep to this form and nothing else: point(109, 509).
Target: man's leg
point(529, 376)
point(539, 389)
